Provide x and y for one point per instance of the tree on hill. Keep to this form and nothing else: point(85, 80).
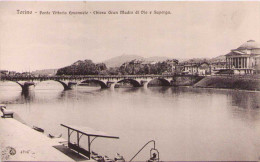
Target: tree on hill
point(86, 67)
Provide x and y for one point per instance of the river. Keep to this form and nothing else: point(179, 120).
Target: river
point(186, 123)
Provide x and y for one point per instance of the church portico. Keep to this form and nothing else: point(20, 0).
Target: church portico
point(243, 59)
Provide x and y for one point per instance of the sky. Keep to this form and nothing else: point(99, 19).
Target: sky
point(193, 30)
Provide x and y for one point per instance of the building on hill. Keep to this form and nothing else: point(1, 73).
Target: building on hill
point(204, 68)
point(172, 65)
point(190, 68)
point(149, 62)
point(135, 62)
point(244, 59)
point(200, 68)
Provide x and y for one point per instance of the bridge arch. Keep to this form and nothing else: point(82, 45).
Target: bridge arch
point(65, 85)
point(135, 83)
point(101, 83)
point(25, 86)
point(164, 82)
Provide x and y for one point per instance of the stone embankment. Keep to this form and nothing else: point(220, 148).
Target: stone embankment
point(19, 142)
point(186, 80)
point(245, 82)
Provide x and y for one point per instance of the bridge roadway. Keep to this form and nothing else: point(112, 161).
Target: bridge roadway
point(105, 81)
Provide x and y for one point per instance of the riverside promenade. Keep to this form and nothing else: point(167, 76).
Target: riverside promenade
point(19, 142)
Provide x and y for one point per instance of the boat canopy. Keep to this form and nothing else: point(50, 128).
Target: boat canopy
point(90, 132)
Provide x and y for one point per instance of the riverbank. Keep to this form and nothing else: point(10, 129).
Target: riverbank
point(251, 83)
point(21, 143)
point(186, 80)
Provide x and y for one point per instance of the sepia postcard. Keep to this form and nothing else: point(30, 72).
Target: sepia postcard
point(130, 81)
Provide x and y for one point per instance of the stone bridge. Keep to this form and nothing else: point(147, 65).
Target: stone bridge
point(104, 81)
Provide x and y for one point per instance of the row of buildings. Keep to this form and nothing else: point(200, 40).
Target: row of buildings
point(240, 61)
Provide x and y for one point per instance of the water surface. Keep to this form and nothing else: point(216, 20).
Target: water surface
point(186, 123)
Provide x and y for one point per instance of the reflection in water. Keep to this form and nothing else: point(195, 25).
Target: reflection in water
point(248, 100)
point(27, 96)
point(187, 123)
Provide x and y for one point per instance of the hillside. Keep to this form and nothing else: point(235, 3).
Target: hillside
point(196, 60)
point(157, 58)
point(220, 58)
point(119, 60)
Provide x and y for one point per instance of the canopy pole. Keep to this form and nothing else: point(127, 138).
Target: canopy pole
point(78, 139)
point(68, 135)
point(89, 144)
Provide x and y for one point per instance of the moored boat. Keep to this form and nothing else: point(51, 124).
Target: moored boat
point(38, 129)
point(54, 136)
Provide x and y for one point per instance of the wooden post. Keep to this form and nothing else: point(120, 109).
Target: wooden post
point(68, 135)
point(78, 140)
point(89, 144)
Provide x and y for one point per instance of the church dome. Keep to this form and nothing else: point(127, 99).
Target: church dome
point(251, 44)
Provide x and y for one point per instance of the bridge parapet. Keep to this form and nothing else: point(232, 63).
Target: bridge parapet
point(104, 81)
point(82, 77)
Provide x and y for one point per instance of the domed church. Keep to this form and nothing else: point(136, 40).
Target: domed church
point(245, 59)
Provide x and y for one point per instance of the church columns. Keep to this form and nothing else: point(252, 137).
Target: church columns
point(242, 62)
point(245, 62)
point(248, 62)
point(232, 64)
point(238, 62)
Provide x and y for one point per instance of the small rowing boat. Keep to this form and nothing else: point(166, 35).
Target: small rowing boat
point(54, 136)
point(38, 129)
